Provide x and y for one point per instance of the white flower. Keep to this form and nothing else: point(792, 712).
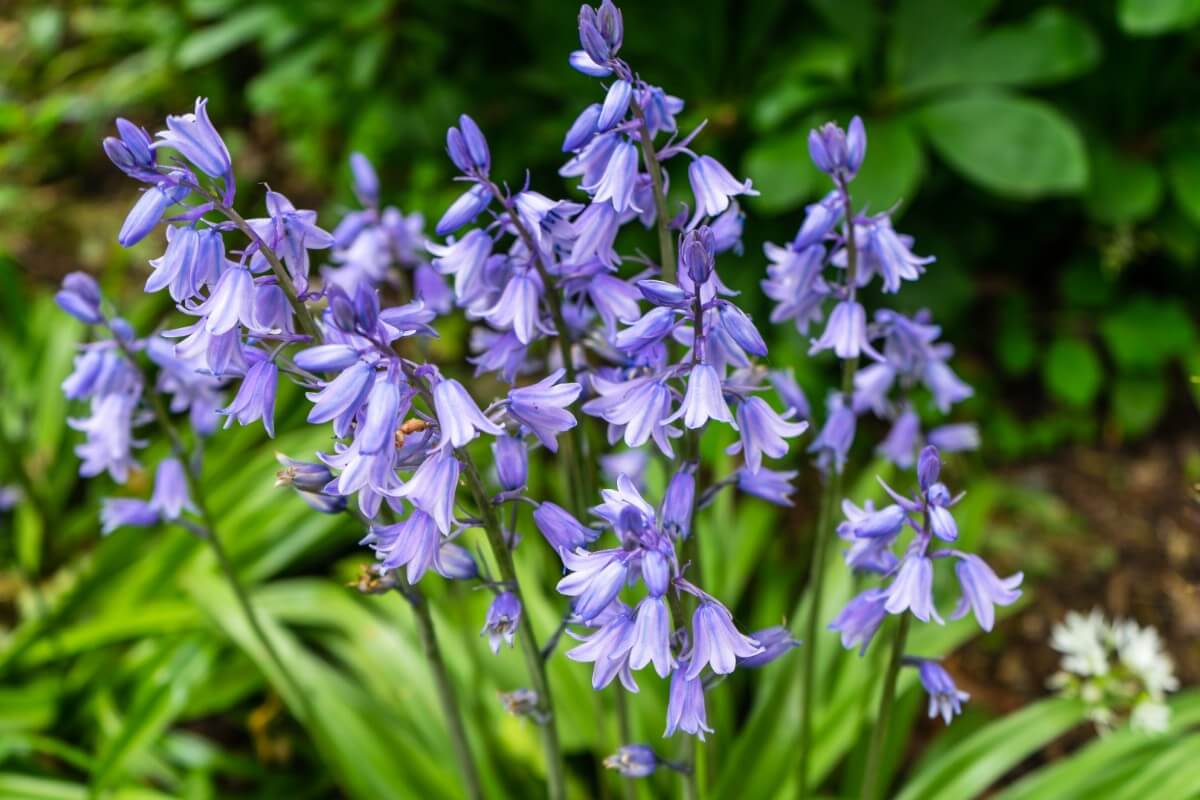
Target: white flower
point(1150, 716)
point(1082, 642)
point(1141, 651)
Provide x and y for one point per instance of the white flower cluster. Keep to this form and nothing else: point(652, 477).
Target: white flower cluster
point(1119, 669)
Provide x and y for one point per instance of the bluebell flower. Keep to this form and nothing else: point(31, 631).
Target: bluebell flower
point(945, 699)
point(170, 495)
point(466, 208)
point(838, 153)
point(512, 461)
point(596, 579)
point(468, 148)
point(561, 529)
point(432, 487)
point(230, 304)
point(342, 397)
point(832, 444)
point(582, 129)
point(148, 211)
point(581, 61)
point(685, 705)
point(595, 233)
point(503, 617)
point(617, 182)
point(633, 761)
point(464, 259)
point(912, 589)
point(771, 485)
point(941, 521)
point(716, 642)
point(109, 442)
point(412, 544)
point(845, 333)
point(608, 647)
point(388, 400)
point(713, 186)
point(947, 388)
point(659, 109)
point(255, 397)
point(886, 253)
point(80, 297)
point(455, 563)
point(460, 419)
point(616, 104)
point(741, 329)
point(900, 444)
point(983, 589)
point(366, 181)
point(121, 512)
point(600, 31)
point(654, 326)
point(929, 467)
point(637, 408)
point(860, 619)
point(871, 386)
point(291, 233)
point(954, 438)
point(789, 391)
point(132, 153)
point(794, 282)
point(704, 400)
point(774, 642)
point(194, 137)
point(820, 219)
point(651, 637)
point(676, 514)
point(870, 523)
point(763, 432)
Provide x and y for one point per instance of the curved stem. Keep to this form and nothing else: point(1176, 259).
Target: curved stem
point(555, 770)
point(445, 688)
point(829, 499)
point(666, 247)
point(883, 719)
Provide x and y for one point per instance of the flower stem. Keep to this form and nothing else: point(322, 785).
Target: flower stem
point(829, 499)
point(882, 720)
point(445, 688)
point(555, 770)
point(196, 491)
point(666, 247)
point(624, 734)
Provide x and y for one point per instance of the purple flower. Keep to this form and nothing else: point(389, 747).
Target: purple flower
point(458, 415)
point(846, 332)
point(468, 148)
point(385, 403)
point(704, 399)
point(741, 329)
point(467, 207)
point(833, 442)
point(148, 211)
point(170, 495)
point(343, 396)
point(859, 620)
point(929, 466)
point(652, 637)
point(255, 398)
point(886, 253)
point(947, 388)
point(503, 617)
point(230, 304)
point(633, 761)
point(291, 233)
point(595, 580)
point(775, 641)
point(80, 297)
point(581, 61)
point(195, 258)
point(886, 523)
point(616, 103)
point(366, 181)
point(582, 129)
point(955, 438)
point(789, 391)
point(132, 153)
point(945, 699)
point(677, 504)
point(713, 186)
point(618, 180)
point(609, 648)
point(767, 484)
point(838, 153)
point(654, 326)
point(512, 461)
point(871, 386)
point(194, 137)
point(763, 432)
point(120, 512)
point(455, 563)
point(109, 435)
point(716, 642)
point(900, 445)
point(912, 589)
point(562, 530)
point(600, 31)
point(819, 221)
point(412, 543)
point(432, 487)
point(542, 407)
point(983, 590)
point(685, 706)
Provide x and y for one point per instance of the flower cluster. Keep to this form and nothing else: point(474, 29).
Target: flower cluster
point(872, 535)
point(1119, 669)
point(836, 253)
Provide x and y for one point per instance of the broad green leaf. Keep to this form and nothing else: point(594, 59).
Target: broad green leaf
point(1051, 46)
point(1145, 333)
point(1121, 188)
point(1152, 17)
point(1171, 775)
point(1138, 402)
point(1072, 371)
point(208, 44)
point(1183, 171)
point(892, 168)
point(971, 766)
point(926, 31)
point(1009, 145)
point(782, 171)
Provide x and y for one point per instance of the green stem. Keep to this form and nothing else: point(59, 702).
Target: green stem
point(196, 491)
point(555, 770)
point(445, 688)
point(624, 734)
point(666, 247)
point(883, 719)
point(829, 499)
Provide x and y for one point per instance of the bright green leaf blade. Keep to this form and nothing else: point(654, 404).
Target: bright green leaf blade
point(1072, 371)
point(1152, 17)
point(1121, 188)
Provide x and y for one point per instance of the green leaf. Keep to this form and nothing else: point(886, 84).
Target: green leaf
point(970, 767)
point(1007, 144)
point(782, 172)
point(1052, 46)
point(1147, 332)
point(208, 44)
point(1138, 402)
point(893, 166)
point(1152, 17)
point(1183, 171)
point(1072, 371)
point(1121, 188)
